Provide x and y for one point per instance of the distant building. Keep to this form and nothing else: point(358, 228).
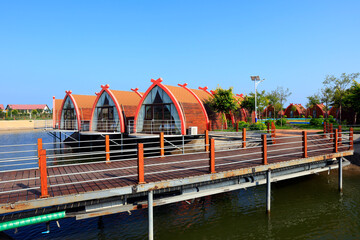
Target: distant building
point(27, 108)
point(295, 111)
point(316, 111)
point(1, 107)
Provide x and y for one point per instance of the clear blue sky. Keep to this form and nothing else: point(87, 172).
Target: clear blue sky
point(47, 47)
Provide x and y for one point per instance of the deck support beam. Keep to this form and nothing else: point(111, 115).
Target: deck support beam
point(340, 175)
point(268, 191)
point(150, 215)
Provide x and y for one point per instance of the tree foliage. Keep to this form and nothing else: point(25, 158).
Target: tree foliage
point(313, 100)
point(223, 101)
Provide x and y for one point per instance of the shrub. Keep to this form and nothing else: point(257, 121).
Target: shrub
point(284, 122)
point(269, 121)
point(243, 124)
point(285, 116)
point(309, 116)
point(321, 116)
point(316, 121)
point(303, 116)
point(257, 126)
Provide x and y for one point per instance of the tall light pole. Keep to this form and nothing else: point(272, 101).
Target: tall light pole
point(256, 80)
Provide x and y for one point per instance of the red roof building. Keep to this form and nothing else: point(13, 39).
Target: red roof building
point(295, 110)
point(1, 107)
point(112, 109)
point(171, 109)
point(74, 112)
point(27, 107)
point(269, 112)
point(316, 111)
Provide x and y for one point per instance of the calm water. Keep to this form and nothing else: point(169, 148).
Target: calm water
point(305, 208)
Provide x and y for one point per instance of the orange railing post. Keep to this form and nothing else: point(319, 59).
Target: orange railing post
point(339, 135)
point(43, 174)
point(212, 155)
point(244, 137)
point(39, 146)
point(107, 148)
point(351, 138)
point(264, 149)
point(206, 140)
point(335, 141)
point(162, 150)
point(237, 126)
point(268, 127)
point(305, 147)
point(141, 174)
point(325, 127)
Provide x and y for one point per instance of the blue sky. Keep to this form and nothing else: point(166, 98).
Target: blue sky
point(47, 47)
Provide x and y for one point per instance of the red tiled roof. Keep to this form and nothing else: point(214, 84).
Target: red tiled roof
point(1, 107)
point(26, 106)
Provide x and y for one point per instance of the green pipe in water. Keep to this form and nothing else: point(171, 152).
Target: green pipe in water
point(31, 220)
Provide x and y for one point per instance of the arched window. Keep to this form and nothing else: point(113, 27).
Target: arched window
point(68, 116)
point(106, 116)
point(158, 114)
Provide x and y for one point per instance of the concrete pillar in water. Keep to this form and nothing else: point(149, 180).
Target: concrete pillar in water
point(150, 210)
point(340, 174)
point(268, 191)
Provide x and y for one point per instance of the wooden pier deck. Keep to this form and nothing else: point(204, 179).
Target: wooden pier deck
point(77, 179)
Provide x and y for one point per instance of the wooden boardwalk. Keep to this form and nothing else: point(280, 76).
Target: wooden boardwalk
point(83, 178)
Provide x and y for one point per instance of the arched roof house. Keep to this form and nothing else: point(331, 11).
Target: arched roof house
point(299, 110)
point(269, 112)
point(171, 109)
point(75, 111)
point(112, 109)
point(316, 110)
point(334, 111)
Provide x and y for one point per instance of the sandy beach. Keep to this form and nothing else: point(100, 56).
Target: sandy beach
point(20, 125)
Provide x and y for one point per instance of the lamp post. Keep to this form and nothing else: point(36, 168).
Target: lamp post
point(256, 80)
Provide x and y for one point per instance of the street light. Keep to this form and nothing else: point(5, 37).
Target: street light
point(256, 80)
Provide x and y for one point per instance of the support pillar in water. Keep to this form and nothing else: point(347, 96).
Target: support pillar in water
point(340, 174)
point(150, 210)
point(268, 191)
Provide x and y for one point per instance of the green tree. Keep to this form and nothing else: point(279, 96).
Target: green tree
point(223, 101)
point(248, 103)
point(283, 95)
point(327, 95)
point(352, 99)
point(340, 85)
point(34, 113)
point(15, 112)
point(313, 100)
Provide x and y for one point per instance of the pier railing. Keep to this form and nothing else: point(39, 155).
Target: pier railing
point(48, 166)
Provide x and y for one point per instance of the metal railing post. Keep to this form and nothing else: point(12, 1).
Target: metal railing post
point(351, 138)
point(339, 135)
point(305, 147)
point(43, 174)
point(141, 174)
point(162, 150)
point(107, 148)
point(244, 137)
point(206, 140)
point(212, 155)
point(264, 149)
point(335, 141)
